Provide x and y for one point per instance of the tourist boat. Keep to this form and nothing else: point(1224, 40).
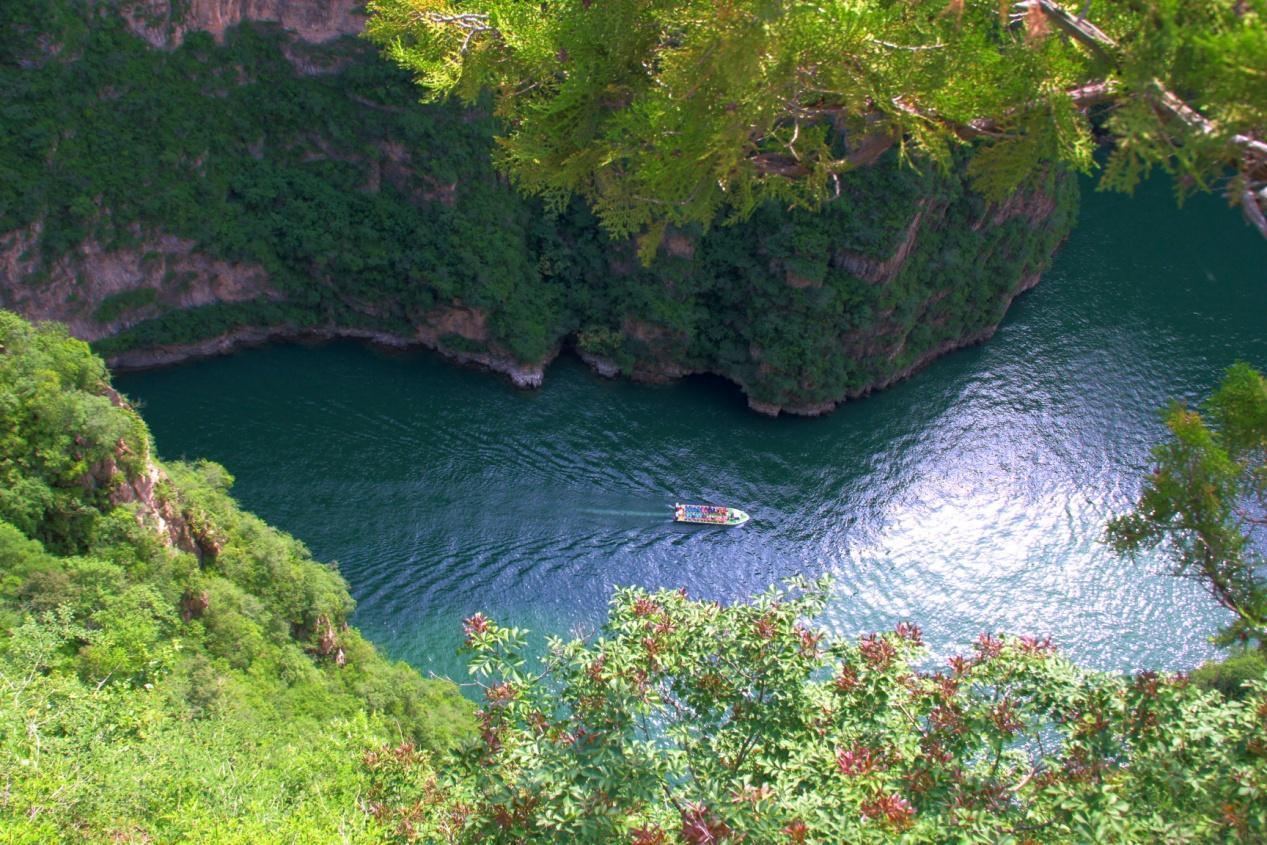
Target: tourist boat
point(709, 515)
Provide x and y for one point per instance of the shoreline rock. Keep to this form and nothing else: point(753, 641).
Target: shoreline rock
point(523, 376)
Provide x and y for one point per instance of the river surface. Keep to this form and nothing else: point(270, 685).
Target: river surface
point(969, 498)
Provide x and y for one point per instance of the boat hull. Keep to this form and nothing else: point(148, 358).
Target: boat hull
point(709, 515)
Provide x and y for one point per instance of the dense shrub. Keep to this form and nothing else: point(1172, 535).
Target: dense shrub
point(686, 722)
point(171, 668)
point(1232, 675)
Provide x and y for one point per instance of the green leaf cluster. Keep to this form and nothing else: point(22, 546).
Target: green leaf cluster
point(1206, 500)
point(683, 721)
point(171, 668)
point(672, 112)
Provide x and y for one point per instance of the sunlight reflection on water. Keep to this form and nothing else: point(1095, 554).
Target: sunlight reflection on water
point(969, 498)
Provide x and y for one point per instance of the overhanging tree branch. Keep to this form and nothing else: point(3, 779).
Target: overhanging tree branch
point(878, 80)
point(1247, 153)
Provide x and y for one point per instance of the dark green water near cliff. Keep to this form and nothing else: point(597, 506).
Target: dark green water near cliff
point(969, 498)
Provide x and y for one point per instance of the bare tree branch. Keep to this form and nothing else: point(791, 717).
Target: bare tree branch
point(471, 23)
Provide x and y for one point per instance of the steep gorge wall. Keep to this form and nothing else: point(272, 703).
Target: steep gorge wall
point(165, 23)
point(98, 291)
point(260, 185)
point(826, 314)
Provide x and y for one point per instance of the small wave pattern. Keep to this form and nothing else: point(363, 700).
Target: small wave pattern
point(969, 498)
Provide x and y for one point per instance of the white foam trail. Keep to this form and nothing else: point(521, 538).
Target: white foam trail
point(607, 512)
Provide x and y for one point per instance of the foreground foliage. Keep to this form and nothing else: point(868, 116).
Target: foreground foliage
point(687, 722)
point(672, 112)
point(171, 668)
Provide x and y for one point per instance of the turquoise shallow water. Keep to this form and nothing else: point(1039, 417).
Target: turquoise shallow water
point(968, 498)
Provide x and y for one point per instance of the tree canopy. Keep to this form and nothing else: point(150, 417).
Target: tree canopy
point(669, 112)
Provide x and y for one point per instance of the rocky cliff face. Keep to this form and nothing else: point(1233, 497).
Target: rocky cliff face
point(279, 188)
point(98, 292)
point(165, 23)
point(139, 481)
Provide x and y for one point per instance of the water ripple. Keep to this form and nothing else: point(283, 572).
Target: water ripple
point(969, 498)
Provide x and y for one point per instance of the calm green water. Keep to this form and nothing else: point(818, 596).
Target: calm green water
point(968, 498)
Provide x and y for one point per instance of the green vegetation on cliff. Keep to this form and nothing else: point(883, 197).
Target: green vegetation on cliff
point(171, 668)
point(370, 211)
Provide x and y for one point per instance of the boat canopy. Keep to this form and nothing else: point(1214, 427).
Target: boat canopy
point(709, 514)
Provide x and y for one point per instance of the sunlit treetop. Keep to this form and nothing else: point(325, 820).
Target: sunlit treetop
point(664, 112)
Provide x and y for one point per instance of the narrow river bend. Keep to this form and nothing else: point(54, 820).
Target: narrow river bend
point(968, 498)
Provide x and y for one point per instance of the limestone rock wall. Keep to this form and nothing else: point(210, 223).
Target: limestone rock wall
point(98, 292)
point(165, 23)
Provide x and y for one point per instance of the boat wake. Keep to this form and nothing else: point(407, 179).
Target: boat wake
point(666, 513)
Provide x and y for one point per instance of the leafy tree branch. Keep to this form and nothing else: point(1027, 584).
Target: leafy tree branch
point(1206, 499)
point(671, 113)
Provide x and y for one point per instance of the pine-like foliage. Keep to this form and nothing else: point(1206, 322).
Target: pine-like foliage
point(1206, 500)
point(664, 112)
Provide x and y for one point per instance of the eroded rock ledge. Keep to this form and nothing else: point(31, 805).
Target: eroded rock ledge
point(164, 23)
point(524, 376)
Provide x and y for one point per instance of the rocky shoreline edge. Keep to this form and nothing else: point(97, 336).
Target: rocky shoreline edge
point(529, 376)
point(523, 376)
